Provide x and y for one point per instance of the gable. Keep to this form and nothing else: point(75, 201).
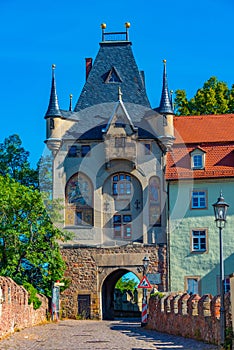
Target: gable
point(120, 121)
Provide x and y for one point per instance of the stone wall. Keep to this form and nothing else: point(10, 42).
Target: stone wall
point(89, 267)
point(15, 313)
point(190, 316)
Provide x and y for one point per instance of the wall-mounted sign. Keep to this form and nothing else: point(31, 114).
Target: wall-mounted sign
point(154, 278)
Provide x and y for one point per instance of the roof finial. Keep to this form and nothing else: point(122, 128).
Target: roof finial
point(70, 105)
point(127, 26)
point(120, 94)
point(103, 26)
point(53, 108)
point(165, 103)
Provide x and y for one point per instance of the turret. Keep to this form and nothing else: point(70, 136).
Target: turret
point(53, 119)
point(167, 112)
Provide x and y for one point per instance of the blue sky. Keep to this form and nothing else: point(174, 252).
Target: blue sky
point(196, 38)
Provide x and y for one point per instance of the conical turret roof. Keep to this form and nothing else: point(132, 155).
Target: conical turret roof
point(165, 103)
point(53, 108)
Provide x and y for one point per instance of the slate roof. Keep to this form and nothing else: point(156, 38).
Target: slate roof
point(91, 121)
point(118, 56)
point(99, 95)
point(53, 107)
point(165, 106)
point(214, 134)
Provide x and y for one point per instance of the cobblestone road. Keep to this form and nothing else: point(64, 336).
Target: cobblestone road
point(96, 335)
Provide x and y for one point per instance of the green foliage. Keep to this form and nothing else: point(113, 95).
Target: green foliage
point(229, 336)
point(213, 98)
point(14, 162)
point(32, 295)
point(29, 249)
point(126, 284)
point(157, 294)
point(44, 168)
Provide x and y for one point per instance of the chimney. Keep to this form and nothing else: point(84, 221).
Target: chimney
point(88, 65)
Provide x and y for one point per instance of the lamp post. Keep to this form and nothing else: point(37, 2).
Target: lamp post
point(144, 298)
point(220, 212)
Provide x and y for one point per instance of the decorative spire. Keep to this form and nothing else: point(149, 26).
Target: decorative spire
point(165, 103)
point(70, 105)
point(53, 108)
point(120, 94)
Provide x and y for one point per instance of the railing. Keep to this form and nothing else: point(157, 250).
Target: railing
point(115, 36)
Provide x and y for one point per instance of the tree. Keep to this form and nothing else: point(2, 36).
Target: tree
point(44, 167)
point(14, 162)
point(29, 249)
point(125, 284)
point(213, 98)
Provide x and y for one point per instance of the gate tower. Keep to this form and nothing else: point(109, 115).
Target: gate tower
point(109, 155)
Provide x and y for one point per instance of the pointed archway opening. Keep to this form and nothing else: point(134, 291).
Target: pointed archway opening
point(120, 302)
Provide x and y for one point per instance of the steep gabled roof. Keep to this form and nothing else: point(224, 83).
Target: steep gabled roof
point(98, 89)
point(214, 134)
point(120, 111)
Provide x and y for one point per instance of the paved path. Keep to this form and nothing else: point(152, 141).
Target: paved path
point(97, 335)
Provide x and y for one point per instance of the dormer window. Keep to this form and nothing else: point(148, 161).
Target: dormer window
point(197, 159)
point(113, 76)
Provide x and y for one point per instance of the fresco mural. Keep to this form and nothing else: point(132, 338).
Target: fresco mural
point(79, 201)
point(154, 201)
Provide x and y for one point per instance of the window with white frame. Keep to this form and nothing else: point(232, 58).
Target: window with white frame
point(198, 199)
point(199, 240)
point(198, 159)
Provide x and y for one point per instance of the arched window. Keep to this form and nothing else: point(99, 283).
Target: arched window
point(79, 201)
point(154, 201)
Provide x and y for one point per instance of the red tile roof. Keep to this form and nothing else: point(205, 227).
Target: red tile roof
point(204, 128)
point(214, 134)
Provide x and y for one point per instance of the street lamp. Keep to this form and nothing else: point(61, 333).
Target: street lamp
point(145, 264)
point(145, 261)
point(220, 212)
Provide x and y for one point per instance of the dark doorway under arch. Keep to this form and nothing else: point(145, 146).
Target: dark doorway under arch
point(108, 289)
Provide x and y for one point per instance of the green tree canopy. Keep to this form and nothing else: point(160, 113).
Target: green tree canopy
point(14, 162)
point(213, 98)
point(29, 249)
point(125, 284)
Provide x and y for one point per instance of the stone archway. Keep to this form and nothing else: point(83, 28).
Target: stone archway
point(107, 293)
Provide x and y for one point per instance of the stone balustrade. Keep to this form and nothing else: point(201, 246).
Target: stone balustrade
point(15, 313)
point(191, 316)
